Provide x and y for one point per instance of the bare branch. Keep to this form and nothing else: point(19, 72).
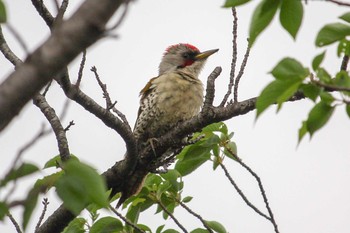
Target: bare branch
point(68, 40)
point(126, 220)
point(240, 74)
point(261, 187)
point(14, 222)
point(328, 87)
point(345, 62)
point(81, 69)
point(196, 215)
point(43, 12)
point(7, 52)
point(340, 3)
point(210, 91)
point(109, 104)
point(239, 191)
point(172, 216)
point(234, 57)
point(56, 125)
point(45, 202)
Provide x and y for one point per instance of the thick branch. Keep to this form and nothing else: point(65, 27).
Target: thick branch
point(68, 40)
point(56, 125)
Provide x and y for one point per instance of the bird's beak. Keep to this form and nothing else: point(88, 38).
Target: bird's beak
point(206, 54)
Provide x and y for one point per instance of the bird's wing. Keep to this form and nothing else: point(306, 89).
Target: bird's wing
point(146, 91)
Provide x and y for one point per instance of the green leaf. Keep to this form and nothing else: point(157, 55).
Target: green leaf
point(107, 225)
point(3, 210)
point(326, 97)
point(262, 16)
point(291, 16)
point(346, 17)
point(144, 227)
point(3, 15)
point(318, 117)
point(342, 79)
point(170, 231)
point(194, 158)
point(316, 62)
point(47, 182)
point(332, 33)
point(347, 109)
point(199, 230)
point(72, 193)
point(302, 131)
point(234, 3)
point(81, 185)
point(276, 92)
point(133, 213)
point(23, 170)
point(29, 206)
point(160, 228)
point(230, 148)
point(343, 47)
point(173, 177)
point(57, 160)
point(187, 199)
point(323, 75)
point(76, 226)
point(216, 127)
point(216, 226)
point(289, 68)
point(310, 91)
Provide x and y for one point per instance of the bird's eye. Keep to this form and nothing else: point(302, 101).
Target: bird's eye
point(186, 55)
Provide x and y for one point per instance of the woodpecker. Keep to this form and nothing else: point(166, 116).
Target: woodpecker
point(175, 95)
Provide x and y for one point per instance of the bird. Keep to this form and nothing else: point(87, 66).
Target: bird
point(175, 95)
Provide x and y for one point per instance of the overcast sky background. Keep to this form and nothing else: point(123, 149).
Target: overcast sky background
point(307, 186)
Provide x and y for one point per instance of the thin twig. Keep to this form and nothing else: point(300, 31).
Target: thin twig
point(261, 187)
point(43, 12)
point(126, 220)
point(242, 194)
point(345, 62)
point(234, 57)
point(60, 12)
point(328, 87)
point(71, 123)
point(196, 215)
point(81, 69)
point(339, 2)
point(47, 88)
point(45, 202)
point(7, 52)
point(109, 104)
point(14, 222)
point(172, 216)
point(240, 74)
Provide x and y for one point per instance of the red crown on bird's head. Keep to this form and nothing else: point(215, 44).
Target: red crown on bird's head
point(192, 47)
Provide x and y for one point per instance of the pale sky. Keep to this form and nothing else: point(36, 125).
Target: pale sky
point(307, 186)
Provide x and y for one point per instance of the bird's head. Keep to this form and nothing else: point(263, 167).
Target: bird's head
point(185, 57)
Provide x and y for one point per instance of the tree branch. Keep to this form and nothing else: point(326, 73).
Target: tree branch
point(172, 216)
point(196, 215)
point(234, 57)
point(210, 91)
point(60, 133)
point(69, 39)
